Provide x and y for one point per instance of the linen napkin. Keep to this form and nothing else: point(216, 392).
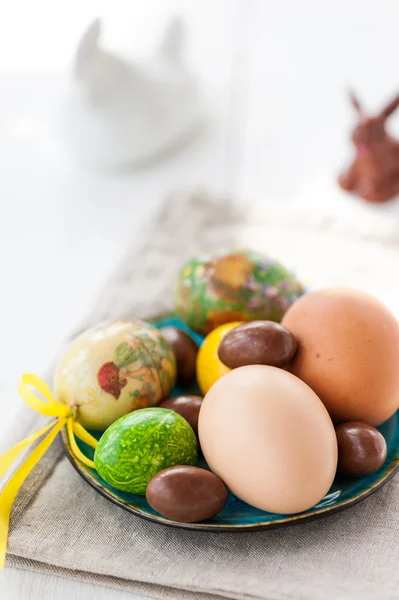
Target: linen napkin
point(61, 525)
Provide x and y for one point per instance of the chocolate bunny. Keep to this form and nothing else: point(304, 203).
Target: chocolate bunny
point(374, 174)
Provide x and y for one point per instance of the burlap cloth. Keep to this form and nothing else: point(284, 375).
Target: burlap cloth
point(61, 525)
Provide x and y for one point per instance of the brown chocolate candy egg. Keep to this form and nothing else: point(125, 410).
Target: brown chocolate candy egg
point(186, 406)
point(362, 449)
point(186, 494)
point(257, 343)
point(185, 351)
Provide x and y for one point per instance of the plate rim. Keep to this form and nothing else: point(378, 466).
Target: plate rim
point(296, 519)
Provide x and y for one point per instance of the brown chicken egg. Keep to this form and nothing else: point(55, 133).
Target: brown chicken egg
point(348, 353)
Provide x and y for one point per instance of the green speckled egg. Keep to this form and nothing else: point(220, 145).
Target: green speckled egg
point(230, 286)
point(142, 443)
point(113, 369)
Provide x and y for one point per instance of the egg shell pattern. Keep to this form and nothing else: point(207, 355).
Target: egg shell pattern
point(233, 286)
point(141, 444)
point(113, 369)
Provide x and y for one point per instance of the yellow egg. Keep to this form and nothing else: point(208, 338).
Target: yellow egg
point(209, 367)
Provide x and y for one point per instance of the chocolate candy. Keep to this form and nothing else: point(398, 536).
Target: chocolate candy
point(257, 343)
point(187, 406)
point(186, 494)
point(185, 350)
point(361, 449)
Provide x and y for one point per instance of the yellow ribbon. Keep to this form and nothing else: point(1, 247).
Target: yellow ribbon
point(49, 407)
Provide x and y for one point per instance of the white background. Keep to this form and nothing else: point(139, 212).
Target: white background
point(275, 74)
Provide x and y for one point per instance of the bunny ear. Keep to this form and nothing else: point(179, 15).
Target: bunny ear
point(89, 42)
point(172, 41)
point(355, 102)
point(388, 110)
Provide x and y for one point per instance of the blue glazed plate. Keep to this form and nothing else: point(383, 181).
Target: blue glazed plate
point(237, 515)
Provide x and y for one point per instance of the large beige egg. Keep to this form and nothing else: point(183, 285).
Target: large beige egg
point(348, 353)
point(267, 435)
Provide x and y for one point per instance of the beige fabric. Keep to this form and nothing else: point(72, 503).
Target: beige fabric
point(61, 525)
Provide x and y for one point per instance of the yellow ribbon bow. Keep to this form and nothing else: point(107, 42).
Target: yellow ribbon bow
point(64, 416)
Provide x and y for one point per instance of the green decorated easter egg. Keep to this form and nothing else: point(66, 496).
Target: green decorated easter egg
point(113, 369)
point(142, 443)
point(227, 286)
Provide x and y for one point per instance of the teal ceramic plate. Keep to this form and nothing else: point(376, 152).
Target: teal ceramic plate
point(237, 515)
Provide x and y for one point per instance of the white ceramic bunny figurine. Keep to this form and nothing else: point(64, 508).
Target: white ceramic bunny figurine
point(120, 113)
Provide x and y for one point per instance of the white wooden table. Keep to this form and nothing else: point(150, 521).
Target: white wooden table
point(275, 74)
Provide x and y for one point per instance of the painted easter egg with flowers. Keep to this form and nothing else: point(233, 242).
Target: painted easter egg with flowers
point(240, 285)
point(114, 369)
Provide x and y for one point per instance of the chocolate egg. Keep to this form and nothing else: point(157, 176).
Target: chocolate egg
point(114, 369)
point(227, 286)
point(267, 435)
point(186, 406)
point(361, 449)
point(185, 350)
point(348, 353)
point(257, 343)
point(186, 494)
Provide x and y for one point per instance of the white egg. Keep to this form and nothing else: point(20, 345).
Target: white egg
point(267, 435)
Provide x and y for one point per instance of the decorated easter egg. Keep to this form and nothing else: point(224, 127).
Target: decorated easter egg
point(114, 369)
point(139, 445)
point(209, 366)
point(241, 285)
